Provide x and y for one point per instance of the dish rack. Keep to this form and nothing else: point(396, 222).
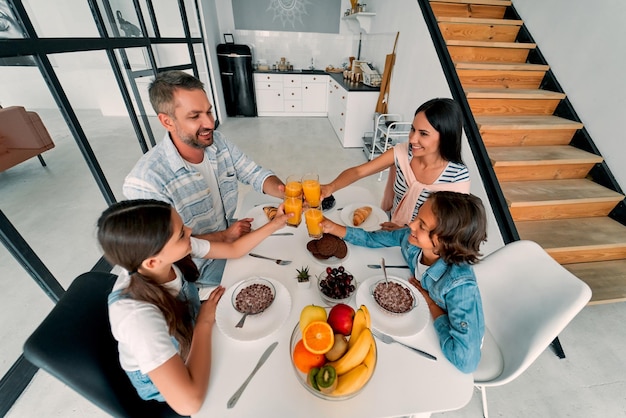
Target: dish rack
point(389, 129)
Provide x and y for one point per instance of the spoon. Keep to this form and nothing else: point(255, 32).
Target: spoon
point(382, 265)
point(242, 320)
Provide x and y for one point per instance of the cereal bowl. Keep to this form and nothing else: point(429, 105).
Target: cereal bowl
point(393, 297)
point(253, 296)
point(336, 285)
point(296, 336)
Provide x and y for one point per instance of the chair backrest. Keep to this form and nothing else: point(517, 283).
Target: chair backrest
point(528, 299)
point(74, 344)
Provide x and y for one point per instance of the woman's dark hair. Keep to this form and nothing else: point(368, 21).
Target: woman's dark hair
point(461, 226)
point(131, 231)
point(445, 116)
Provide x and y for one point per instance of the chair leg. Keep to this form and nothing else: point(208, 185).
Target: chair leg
point(558, 349)
point(43, 163)
point(483, 393)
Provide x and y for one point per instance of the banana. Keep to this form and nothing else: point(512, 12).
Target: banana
point(358, 325)
point(352, 381)
point(368, 320)
point(370, 361)
point(355, 354)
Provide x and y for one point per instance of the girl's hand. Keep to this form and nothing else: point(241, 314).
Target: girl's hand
point(208, 307)
point(280, 220)
point(329, 227)
point(390, 226)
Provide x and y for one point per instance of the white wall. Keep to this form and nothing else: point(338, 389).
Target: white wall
point(585, 44)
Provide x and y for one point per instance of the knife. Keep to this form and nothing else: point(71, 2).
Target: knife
point(377, 266)
point(233, 400)
point(280, 234)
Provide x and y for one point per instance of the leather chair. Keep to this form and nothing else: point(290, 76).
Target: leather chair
point(22, 136)
point(74, 344)
point(528, 299)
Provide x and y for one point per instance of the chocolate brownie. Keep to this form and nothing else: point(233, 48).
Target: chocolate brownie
point(327, 245)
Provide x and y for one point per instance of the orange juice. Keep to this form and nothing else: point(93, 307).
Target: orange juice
point(293, 188)
point(312, 191)
point(313, 218)
point(294, 205)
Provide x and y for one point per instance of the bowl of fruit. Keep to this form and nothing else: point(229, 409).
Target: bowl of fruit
point(333, 352)
point(336, 285)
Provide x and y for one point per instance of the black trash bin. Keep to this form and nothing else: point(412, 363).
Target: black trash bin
point(235, 62)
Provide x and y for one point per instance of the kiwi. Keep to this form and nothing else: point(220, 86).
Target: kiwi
point(326, 379)
point(311, 378)
point(339, 348)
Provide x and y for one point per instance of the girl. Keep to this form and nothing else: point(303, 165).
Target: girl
point(163, 333)
point(429, 161)
point(439, 246)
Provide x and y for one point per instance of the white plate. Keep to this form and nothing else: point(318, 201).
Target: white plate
point(372, 223)
point(260, 218)
point(256, 326)
point(332, 261)
point(405, 325)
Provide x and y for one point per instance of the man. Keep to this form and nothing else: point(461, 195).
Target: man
point(195, 168)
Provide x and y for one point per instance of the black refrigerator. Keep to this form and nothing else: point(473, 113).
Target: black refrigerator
point(235, 62)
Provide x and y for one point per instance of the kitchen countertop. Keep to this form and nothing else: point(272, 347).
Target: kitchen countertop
point(338, 77)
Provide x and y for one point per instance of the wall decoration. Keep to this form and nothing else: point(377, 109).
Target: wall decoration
point(320, 16)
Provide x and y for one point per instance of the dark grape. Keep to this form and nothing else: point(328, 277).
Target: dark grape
point(338, 283)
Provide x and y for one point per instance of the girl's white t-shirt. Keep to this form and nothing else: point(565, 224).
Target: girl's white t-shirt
point(144, 342)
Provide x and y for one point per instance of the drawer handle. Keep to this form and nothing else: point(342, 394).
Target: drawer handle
point(269, 85)
point(278, 94)
point(306, 88)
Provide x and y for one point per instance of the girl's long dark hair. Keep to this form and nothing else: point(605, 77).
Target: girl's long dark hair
point(131, 231)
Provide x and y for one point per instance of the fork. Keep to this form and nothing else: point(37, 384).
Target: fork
point(388, 339)
point(277, 261)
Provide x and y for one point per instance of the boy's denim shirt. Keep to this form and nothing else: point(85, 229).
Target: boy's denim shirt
point(453, 287)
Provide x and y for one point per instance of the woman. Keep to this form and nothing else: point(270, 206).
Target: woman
point(428, 162)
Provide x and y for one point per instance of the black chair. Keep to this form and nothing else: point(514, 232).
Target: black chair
point(74, 344)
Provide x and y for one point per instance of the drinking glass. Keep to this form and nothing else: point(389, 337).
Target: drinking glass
point(293, 186)
point(312, 190)
point(294, 205)
point(313, 218)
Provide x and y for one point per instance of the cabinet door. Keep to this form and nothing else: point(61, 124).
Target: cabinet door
point(314, 97)
point(269, 100)
point(337, 98)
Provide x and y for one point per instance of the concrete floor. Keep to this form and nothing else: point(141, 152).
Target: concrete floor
point(590, 382)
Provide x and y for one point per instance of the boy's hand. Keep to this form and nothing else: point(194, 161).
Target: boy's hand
point(434, 309)
point(329, 227)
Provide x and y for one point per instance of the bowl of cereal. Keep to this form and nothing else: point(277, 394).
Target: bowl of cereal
point(393, 296)
point(253, 296)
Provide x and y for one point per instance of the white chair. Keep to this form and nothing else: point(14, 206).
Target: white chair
point(528, 299)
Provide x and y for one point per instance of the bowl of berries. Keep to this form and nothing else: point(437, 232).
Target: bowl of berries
point(336, 285)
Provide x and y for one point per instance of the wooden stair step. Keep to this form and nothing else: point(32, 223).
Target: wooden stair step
point(477, 29)
point(501, 66)
point(492, 101)
point(494, 9)
point(489, 51)
point(577, 240)
point(526, 130)
point(607, 279)
point(541, 162)
point(558, 199)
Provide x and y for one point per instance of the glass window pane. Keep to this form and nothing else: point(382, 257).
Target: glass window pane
point(192, 18)
point(168, 18)
point(167, 55)
point(61, 19)
point(10, 25)
point(120, 18)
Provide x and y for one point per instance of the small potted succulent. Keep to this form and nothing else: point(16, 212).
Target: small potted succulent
point(303, 277)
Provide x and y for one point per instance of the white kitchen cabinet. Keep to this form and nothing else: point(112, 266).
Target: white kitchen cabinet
point(269, 94)
point(314, 94)
point(350, 113)
point(299, 95)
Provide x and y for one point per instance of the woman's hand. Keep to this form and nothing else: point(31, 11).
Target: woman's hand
point(327, 190)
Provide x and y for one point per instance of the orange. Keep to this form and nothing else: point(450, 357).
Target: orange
point(304, 360)
point(318, 337)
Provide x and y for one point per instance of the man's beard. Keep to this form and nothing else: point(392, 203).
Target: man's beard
point(192, 140)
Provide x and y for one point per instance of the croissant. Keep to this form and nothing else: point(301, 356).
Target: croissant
point(270, 212)
point(360, 215)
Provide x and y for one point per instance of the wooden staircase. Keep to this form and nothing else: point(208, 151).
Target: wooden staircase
point(545, 180)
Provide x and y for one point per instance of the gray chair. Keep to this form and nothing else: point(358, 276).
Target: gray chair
point(74, 344)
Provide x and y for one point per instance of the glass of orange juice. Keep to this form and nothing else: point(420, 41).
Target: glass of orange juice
point(311, 189)
point(313, 218)
point(294, 205)
point(293, 186)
